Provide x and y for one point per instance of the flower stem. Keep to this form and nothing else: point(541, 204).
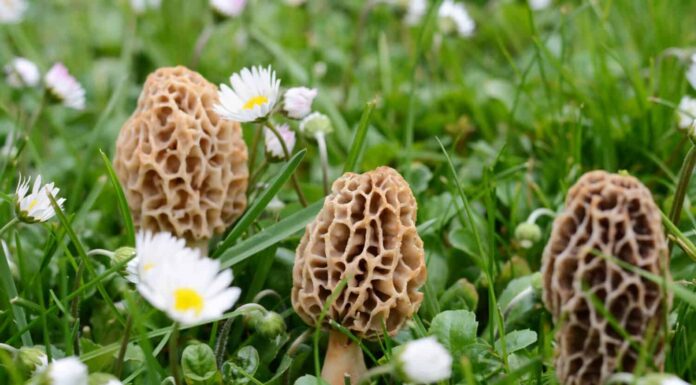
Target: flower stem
point(9, 225)
point(106, 253)
point(118, 365)
point(536, 214)
point(173, 353)
point(374, 372)
point(201, 42)
point(37, 113)
point(221, 343)
point(323, 155)
point(295, 183)
point(254, 146)
point(75, 308)
point(680, 193)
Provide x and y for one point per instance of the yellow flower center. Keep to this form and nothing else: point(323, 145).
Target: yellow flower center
point(148, 266)
point(33, 203)
point(255, 101)
point(188, 299)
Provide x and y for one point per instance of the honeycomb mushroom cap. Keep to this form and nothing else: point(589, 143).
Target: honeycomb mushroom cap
point(366, 231)
point(183, 168)
point(605, 215)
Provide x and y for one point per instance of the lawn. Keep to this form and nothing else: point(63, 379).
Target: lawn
point(347, 192)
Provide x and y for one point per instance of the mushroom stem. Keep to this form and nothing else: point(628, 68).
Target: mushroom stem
point(343, 357)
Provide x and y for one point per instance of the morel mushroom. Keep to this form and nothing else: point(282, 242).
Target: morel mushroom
point(183, 169)
point(366, 234)
point(605, 215)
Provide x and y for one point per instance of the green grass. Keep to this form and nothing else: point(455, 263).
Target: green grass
point(485, 129)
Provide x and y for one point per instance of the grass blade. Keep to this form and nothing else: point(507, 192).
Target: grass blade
point(83, 256)
point(261, 202)
point(269, 236)
point(121, 200)
point(359, 138)
point(11, 290)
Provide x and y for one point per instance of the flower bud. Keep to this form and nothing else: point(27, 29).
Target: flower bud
point(515, 267)
point(270, 325)
point(316, 123)
point(252, 317)
point(527, 234)
point(31, 359)
point(123, 254)
point(461, 295)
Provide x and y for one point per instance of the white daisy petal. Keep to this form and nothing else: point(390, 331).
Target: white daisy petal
point(164, 278)
point(142, 6)
point(454, 17)
point(424, 361)
point(12, 11)
point(20, 72)
point(252, 95)
point(229, 8)
point(273, 146)
point(36, 206)
point(65, 87)
point(687, 114)
point(67, 371)
point(298, 101)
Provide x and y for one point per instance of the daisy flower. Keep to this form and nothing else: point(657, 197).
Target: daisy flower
point(273, 146)
point(538, 5)
point(454, 17)
point(35, 206)
point(691, 72)
point(12, 11)
point(190, 289)
point(229, 8)
point(64, 87)
point(687, 114)
point(151, 249)
point(21, 72)
point(298, 101)
point(66, 371)
point(415, 12)
point(253, 95)
point(424, 361)
point(142, 6)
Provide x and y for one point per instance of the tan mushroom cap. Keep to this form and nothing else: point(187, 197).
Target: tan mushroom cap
point(366, 230)
point(183, 168)
point(616, 216)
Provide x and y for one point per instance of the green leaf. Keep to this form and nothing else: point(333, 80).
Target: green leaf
point(99, 363)
point(518, 300)
point(260, 204)
point(120, 199)
point(269, 236)
point(198, 365)
point(516, 340)
point(455, 329)
point(247, 360)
